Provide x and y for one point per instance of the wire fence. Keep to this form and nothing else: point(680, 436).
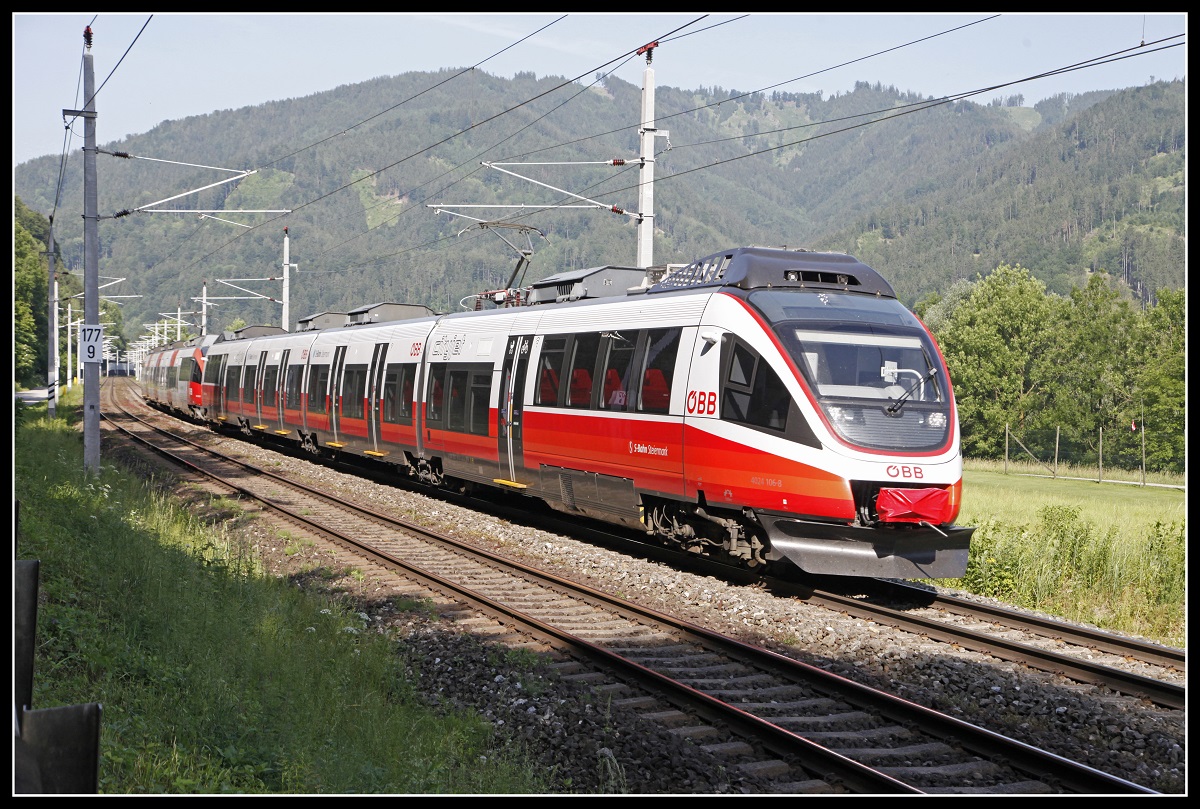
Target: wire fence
point(1123, 450)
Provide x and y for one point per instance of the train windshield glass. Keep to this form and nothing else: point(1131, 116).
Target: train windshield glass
point(867, 366)
point(869, 362)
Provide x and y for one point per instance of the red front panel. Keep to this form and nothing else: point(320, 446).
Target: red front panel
point(739, 474)
point(915, 506)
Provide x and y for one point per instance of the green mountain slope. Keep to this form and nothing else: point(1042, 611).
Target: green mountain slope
point(927, 194)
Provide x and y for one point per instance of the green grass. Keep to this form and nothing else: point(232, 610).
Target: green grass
point(212, 677)
point(1111, 554)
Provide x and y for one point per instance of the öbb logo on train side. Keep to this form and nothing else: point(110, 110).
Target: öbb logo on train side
point(702, 402)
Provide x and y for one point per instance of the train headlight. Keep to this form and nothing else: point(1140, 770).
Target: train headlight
point(937, 420)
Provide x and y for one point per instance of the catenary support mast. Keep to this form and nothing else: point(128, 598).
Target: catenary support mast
point(91, 258)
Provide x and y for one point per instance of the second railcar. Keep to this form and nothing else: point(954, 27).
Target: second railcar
point(170, 375)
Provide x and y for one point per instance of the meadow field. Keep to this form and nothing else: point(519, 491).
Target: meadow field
point(1110, 553)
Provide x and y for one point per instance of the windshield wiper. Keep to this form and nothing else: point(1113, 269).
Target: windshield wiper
point(895, 406)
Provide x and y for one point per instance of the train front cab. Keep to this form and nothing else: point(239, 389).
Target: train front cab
point(855, 475)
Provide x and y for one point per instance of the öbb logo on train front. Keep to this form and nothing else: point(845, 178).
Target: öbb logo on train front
point(913, 472)
point(702, 402)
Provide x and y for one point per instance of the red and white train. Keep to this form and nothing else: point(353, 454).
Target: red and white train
point(765, 405)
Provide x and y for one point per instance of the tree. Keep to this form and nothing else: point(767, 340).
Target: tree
point(1090, 355)
point(994, 342)
point(29, 299)
point(1158, 368)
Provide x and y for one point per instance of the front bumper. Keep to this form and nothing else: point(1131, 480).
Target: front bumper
point(901, 552)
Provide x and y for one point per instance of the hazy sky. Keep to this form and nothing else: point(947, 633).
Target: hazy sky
point(155, 67)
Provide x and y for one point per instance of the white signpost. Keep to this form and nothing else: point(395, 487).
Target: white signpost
point(91, 343)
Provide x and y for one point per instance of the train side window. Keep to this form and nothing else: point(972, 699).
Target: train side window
point(398, 393)
point(318, 385)
point(467, 399)
point(478, 406)
point(212, 371)
point(550, 365)
point(753, 393)
point(662, 352)
point(408, 377)
point(354, 390)
point(248, 385)
point(233, 375)
point(292, 386)
point(456, 407)
point(583, 362)
point(434, 391)
point(270, 384)
point(390, 394)
point(618, 361)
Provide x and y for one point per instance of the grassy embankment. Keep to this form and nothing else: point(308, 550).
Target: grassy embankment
point(212, 677)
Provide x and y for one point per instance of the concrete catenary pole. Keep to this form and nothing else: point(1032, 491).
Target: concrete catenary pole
point(645, 228)
point(91, 258)
point(52, 329)
point(287, 268)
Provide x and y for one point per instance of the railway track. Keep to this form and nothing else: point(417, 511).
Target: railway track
point(798, 727)
point(1080, 653)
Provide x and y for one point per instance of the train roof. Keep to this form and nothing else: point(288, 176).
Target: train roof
point(773, 267)
point(742, 267)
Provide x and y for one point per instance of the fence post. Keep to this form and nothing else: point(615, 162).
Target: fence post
point(1100, 476)
point(1006, 447)
point(1143, 444)
point(1056, 432)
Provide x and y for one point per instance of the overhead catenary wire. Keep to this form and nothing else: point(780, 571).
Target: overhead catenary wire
point(893, 113)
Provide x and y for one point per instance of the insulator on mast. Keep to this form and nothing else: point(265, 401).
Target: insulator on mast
point(618, 162)
point(87, 36)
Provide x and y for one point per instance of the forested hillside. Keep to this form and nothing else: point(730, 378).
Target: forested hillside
point(927, 194)
point(1102, 191)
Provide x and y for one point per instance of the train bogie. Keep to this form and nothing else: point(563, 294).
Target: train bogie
point(767, 406)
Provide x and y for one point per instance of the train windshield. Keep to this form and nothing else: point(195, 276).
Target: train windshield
point(870, 364)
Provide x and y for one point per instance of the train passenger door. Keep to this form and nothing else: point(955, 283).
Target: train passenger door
point(335, 389)
point(509, 412)
point(214, 382)
point(260, 392)
point(281, 390)
point(375, 394)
